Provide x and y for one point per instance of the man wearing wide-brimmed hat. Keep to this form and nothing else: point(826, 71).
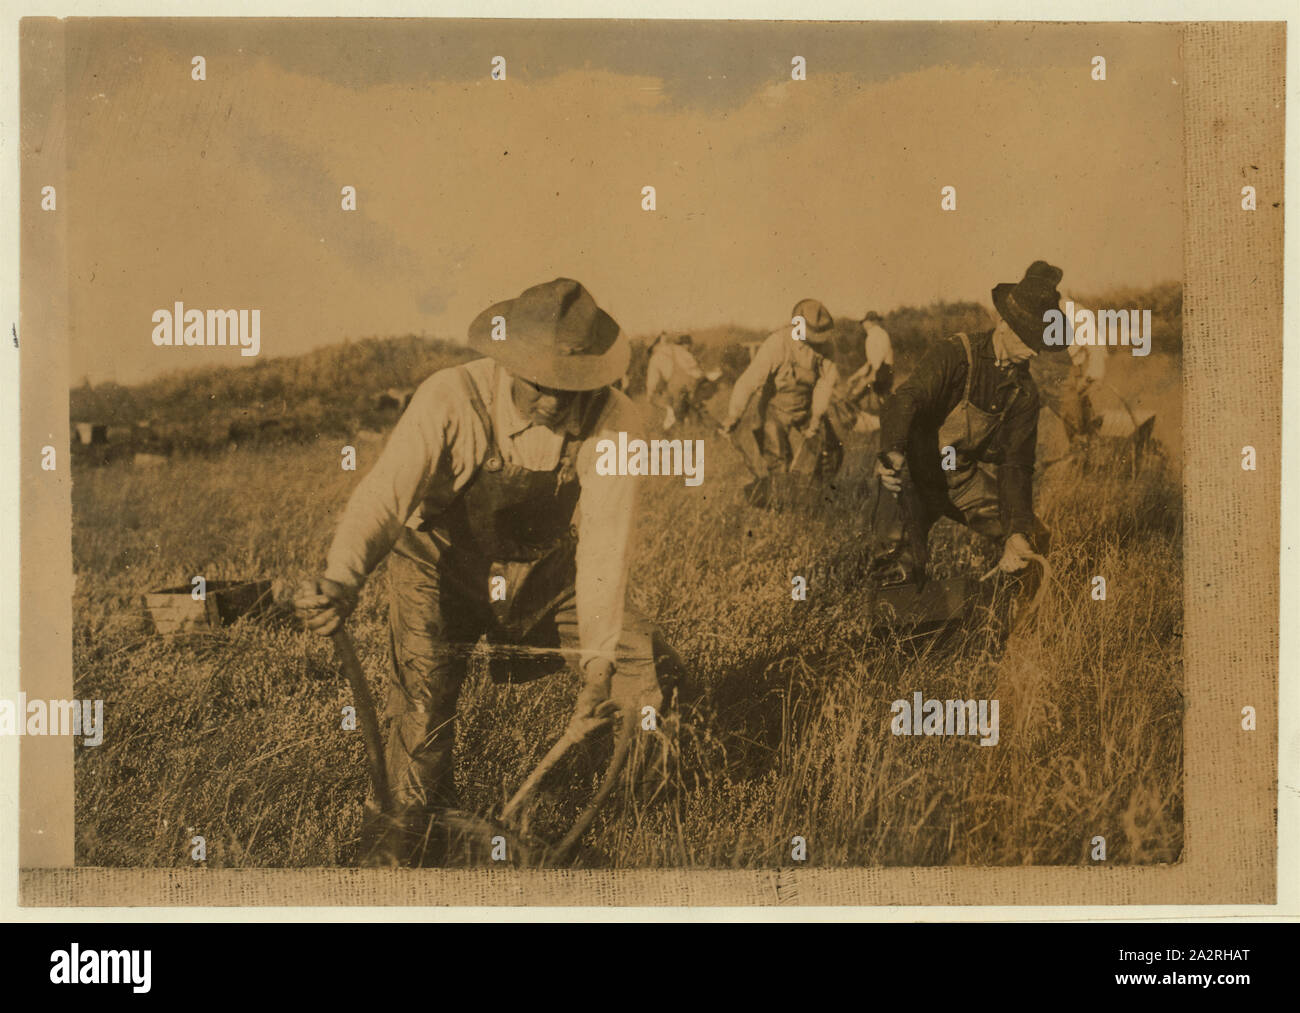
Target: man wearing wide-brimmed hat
point(958, 439)
point(782, 399)
point(487, 497)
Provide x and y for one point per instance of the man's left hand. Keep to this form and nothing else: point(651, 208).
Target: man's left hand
point(1015, 555)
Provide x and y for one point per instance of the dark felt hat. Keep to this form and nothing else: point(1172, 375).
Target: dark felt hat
point(818, 316)
point(821, 324)
point(555, 336)
point(1022, 305)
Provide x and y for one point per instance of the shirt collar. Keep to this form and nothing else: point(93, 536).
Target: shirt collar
point(1014, 346)
point(511, 422)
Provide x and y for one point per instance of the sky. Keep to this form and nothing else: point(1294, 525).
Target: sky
point(225, 193)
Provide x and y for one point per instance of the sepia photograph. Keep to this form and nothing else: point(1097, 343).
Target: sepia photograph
point(619, 445)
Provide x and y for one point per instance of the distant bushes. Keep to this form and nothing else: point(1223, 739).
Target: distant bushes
point(333, 392)
point(329, 392)
point(912, 329)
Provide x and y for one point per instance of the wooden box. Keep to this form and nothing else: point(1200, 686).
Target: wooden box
point(938, 602)
point(174, 609)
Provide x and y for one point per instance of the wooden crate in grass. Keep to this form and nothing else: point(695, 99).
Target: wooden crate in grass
point(938, 602)
point(174, 609)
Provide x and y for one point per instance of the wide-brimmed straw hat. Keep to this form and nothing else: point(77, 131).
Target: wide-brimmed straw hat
point(555, 336)
point(1023, 304)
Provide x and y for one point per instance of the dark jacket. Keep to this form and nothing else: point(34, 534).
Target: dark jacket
point(912, 417)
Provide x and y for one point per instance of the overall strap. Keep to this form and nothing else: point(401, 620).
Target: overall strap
point(970, 364)
point(480, 409)
point(442, 514)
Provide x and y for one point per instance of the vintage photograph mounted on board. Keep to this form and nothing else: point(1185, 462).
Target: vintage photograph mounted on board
point(614, 445)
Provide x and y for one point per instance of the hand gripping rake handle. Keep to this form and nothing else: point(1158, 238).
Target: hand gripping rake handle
point(351, 665)
point(1042, 585)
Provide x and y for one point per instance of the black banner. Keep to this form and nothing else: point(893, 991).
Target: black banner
point(542, 962)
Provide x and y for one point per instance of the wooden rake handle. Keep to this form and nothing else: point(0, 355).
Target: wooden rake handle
point(365, 705)
point(621, 750)
point(552, 757)
point(576, 731)
point(1042, 585)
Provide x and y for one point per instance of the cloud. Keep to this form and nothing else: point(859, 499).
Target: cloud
point(226, 192)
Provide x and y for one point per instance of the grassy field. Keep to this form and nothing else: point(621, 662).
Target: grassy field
point(235, 734)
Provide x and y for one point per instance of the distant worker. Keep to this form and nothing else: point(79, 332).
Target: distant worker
point(1087, 372)
point(783, 397)
point(870, 385)
point(674, 379)
point(959, 438)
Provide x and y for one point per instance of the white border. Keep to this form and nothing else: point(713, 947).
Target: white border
point(1288, 906)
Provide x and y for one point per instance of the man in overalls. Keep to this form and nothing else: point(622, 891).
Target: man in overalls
point(958, 439)
point(498, 525)
point(782, 399)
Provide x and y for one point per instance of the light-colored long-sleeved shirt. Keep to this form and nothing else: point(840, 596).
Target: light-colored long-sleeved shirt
point(438, 446)
point(878, 348)
point(784, 357)
point(879, 351)
point(1090, 360)
point(670, 365)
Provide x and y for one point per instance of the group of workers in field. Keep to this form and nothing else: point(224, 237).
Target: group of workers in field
point(957, 439)
point(497, 524)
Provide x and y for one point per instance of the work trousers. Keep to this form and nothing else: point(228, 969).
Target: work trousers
point(439, 608)
point(773, 443)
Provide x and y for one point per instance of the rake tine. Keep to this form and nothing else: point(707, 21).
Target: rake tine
point(578, 730)
point(552, 757)
point(606, 786)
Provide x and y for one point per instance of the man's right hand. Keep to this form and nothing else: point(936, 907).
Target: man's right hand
point(594, 708)
point(889, 469)
point(322, 605)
